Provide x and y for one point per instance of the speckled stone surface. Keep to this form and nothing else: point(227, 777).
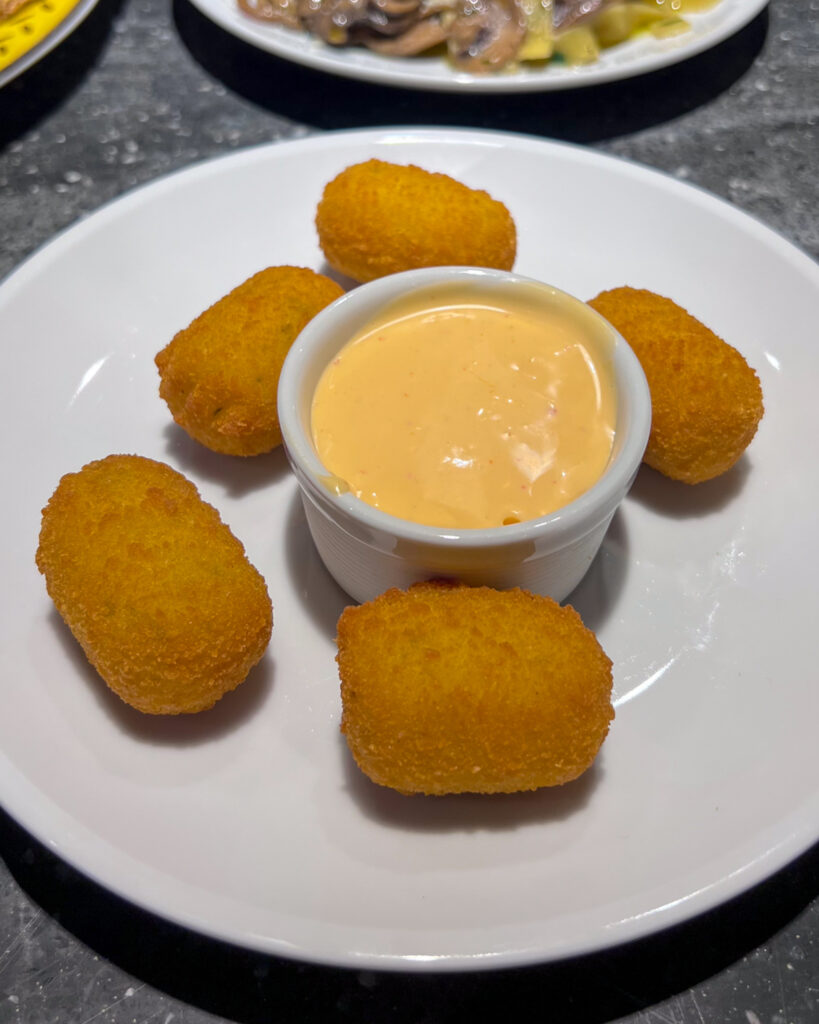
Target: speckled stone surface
point(143, 88)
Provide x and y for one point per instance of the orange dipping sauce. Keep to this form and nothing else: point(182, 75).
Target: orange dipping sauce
point(455, 411)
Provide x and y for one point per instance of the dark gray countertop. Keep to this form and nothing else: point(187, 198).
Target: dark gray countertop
point(142, 88)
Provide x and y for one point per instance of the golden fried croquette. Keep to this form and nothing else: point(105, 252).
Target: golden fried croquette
point(379, 218)
point(453, 689)
point(152, 584)
point(220, 375)
point(706, 400)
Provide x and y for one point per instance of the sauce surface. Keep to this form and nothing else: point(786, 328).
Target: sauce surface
point(455, 412)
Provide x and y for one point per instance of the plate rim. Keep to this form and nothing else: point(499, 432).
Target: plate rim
point(420, 133)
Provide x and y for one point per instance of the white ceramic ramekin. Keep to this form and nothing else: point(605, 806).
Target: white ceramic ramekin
point(368, 551)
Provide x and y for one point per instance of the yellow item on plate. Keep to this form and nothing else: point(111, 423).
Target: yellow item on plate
point(28, 25)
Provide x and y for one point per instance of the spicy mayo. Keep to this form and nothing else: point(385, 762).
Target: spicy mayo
point(466, 412)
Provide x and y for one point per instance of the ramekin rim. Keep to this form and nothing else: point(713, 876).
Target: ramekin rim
point(572, 521)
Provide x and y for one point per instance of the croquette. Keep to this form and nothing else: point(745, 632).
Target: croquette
point(706, 400)
point(452, 689)
point(220, 375)
point(378, 218)
point(153, 585)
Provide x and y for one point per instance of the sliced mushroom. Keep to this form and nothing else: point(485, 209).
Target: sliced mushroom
point(486, 35)
point(387, 18)
point(396, 8)
point(423, 35)
point(360, 21)
point(282, 12)
point(332, 20)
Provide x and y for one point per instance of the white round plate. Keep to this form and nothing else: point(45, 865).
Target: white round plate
point(250, 822)
point(635, 57)
point(75, 17)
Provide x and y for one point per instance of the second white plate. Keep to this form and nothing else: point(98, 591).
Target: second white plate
point(633, 58)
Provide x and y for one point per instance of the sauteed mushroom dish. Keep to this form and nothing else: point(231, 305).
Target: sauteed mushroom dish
point(480, 36)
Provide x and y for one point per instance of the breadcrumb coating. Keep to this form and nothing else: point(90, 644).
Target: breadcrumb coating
point(153, 585)
point(706, 400)
point(378, 218)
point(454, 689)
point(220, 375)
